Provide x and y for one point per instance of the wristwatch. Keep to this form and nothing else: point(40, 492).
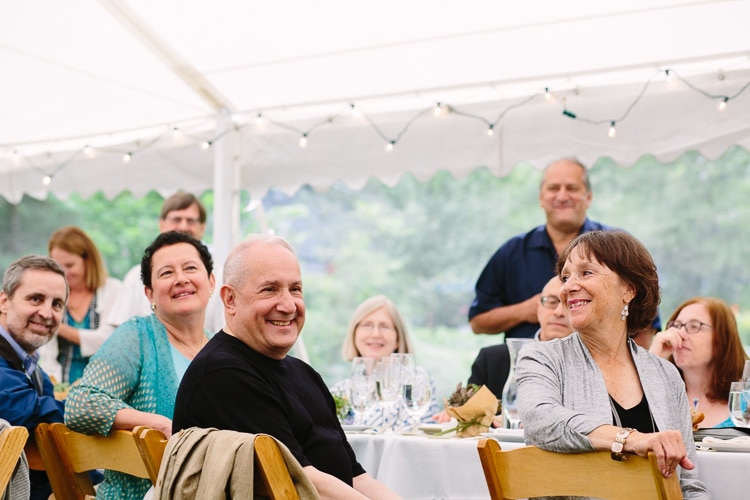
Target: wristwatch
point(619, 444)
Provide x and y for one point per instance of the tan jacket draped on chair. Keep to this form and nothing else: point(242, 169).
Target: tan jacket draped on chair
point(205, 463)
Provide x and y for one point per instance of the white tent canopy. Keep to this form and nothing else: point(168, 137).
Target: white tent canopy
point(156, 78)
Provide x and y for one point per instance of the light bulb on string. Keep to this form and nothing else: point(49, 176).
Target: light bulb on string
point(547, 93)
point(303, 141)
point(668, 76)
point(46, 180)
point(205, 145)
point(722, 105)
point(612, 130)
point(176, 133)
point(356, 111)
point(438, 111)
point(389, 147)
point(491, 130)
point(127, 157)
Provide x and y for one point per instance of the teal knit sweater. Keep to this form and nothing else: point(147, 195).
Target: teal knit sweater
point(133, 369)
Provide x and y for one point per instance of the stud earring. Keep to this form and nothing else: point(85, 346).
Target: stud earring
point(153, 306)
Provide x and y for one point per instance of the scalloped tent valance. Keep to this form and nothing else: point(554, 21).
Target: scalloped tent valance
point(155, 80)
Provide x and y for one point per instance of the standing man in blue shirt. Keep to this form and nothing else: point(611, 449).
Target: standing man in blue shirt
point(32, 302)
point(507, 291)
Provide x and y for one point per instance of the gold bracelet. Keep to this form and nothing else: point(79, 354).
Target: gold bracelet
point(619, 444)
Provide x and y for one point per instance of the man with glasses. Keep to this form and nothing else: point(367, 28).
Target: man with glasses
point(492, 365)
point(181, 212)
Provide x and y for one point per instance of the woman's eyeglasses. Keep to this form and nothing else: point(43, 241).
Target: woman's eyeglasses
point(692, 326)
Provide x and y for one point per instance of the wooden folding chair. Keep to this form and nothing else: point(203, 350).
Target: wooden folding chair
point(272, 477)
point(530, 472)
point(12, 441)
point(69, 455)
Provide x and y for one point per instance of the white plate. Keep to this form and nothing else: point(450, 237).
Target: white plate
point(725, 446)
point(356, 428)
point(508, 435)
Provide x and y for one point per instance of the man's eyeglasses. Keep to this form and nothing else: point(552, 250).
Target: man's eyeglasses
point(692, 326)
point(550, 301)
point(178, 220)
point(368, 327)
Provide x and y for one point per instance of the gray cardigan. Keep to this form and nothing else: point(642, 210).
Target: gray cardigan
point(563, 398)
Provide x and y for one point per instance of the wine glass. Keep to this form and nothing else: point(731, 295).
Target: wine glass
point(739, 398)
point(388, 387)
point(361, 387)
point(417, 395)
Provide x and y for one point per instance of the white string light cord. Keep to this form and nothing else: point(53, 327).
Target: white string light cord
point(390, 141)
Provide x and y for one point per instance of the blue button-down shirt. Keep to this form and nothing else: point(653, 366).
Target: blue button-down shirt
point(519, 270)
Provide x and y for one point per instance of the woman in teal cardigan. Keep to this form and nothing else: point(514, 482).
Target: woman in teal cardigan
point(132, 380)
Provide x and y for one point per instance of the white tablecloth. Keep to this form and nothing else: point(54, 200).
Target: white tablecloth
point(423, 468)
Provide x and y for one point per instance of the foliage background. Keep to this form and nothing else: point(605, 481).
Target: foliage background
point(424, 244)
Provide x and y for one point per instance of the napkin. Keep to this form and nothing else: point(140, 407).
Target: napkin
point(738, 439)
point(474, 416)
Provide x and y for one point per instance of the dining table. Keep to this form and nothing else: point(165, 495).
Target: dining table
point(425, 467)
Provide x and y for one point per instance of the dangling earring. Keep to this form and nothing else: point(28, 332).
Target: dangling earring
point(624, 313)
point(153, 306)
point(211, 293)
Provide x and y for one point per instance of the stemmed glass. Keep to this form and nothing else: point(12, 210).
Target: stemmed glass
point(417, 395)
point(388, 388)
point(361, 387)
point(739, 403)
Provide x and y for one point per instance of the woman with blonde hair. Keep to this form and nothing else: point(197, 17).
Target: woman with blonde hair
point(377, 330)
point(92, 295)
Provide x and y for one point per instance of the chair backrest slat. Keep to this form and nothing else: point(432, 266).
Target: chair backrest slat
point(69, 455)
point(272, 470)
point(12, 441)
point(532, 472)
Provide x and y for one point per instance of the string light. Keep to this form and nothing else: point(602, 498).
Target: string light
point(47, 180)
point(438, 110)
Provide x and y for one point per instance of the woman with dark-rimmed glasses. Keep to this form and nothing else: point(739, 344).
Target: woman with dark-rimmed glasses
point(702, 340)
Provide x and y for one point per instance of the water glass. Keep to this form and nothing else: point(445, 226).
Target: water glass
point(746, 372)
point(739, 399)
point(361, 387)
point(511, 417)
point(417, 395)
